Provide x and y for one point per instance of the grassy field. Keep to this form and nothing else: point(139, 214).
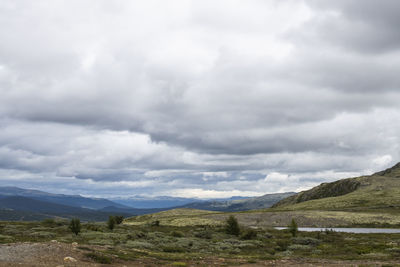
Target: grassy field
point(166, 244)
point(176, 217)
point(271, 217)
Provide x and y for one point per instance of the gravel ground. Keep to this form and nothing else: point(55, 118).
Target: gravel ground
point(40, 254)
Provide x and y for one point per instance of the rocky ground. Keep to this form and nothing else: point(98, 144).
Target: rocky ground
point(41, 254)
point(62, 254)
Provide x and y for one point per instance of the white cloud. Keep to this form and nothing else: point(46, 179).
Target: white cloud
point(382, 161)
point(184, 95)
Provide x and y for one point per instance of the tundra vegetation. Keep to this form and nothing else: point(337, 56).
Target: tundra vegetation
point(169, 244)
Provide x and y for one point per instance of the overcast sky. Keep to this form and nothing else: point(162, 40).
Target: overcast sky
point(197, 98)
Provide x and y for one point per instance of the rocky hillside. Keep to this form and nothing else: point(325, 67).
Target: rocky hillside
point(334, 189)
point(392, 172)
point(378, 191)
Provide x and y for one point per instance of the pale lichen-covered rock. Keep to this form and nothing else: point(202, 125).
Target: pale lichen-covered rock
point(69, 259)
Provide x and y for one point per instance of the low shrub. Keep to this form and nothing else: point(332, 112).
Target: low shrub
point(43, 234)
point(206, 234)
point(295, 247)
point(306, 241)
point(135, 235)
point(178, 263)
point(99, 241)
point(140, 234)
point(249, 234)
point(395, 251)
point(5, 238)
point(99, 258)
point(232, 226)
point(119, 219)
point(12, 230)
point(49, 222)
point(111, 222)
point(177, 234)
point(93, 227)
point(282, 244)
point(139, 244)
point(75, 226)
point(155, 235)
point(173, 249)
point(84, 248)
point(292, 228)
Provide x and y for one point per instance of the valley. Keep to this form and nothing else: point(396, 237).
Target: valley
point(185, 236)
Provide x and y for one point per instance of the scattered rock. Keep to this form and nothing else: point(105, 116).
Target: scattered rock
point(74, 244)
point(69, 259)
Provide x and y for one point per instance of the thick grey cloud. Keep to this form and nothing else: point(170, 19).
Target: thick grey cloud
point(363, 26)
point(194, 98)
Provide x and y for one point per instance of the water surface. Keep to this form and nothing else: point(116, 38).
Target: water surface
point(349, 230)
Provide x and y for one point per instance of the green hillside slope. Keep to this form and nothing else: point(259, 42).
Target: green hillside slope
point(175, 217)
point(372, 201)
point(380, 191)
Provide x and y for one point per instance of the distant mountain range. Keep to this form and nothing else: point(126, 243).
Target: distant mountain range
point(142, 202)
point(252, 203)
point(69, 200)
point(42, 209)
point(26, 204)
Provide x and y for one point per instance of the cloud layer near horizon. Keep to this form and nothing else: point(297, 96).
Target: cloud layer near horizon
point(196, 98)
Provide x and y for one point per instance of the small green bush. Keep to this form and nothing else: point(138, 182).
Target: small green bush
point(140, 234)
point(306, 241)
point(49, 222)
point(134, 235)
point(282, 244)
point(293, 228)
point(249, 234)
point(119, 219)
point(99, 258)
point(93, 227)
point(206, 234)
point(139, 244)
point(178, 263)
point(111, 222)
point(232, 226)
point(75, 226)
point(173, 249)
point(177, 234)
point(299, 247)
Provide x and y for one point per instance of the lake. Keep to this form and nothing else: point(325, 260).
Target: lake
point(349, 230)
